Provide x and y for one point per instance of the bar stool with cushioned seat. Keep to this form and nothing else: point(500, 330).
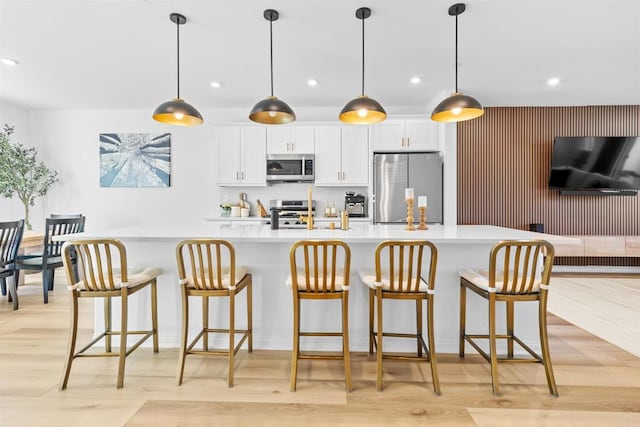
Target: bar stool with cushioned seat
point(319, 276)
point(211, 272)
point(516, 273)
point(401, 279)
point(104, 263)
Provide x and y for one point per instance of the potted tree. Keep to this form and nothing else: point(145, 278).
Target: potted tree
point(21, 174)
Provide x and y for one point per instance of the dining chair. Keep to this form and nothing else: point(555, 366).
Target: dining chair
point(210, 270)
point(319, 271)
point(398, 276)
point(106, 275)
point(51, 256)
point(59, 216)
point(10, 238)
point(519, 271)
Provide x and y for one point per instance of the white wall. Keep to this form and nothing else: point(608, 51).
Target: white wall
point(70, 145)
point(447, 139)
point(12, 209)
point(71, 140)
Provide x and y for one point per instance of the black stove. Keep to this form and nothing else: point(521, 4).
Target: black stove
point(290, 211)
point(292, 208)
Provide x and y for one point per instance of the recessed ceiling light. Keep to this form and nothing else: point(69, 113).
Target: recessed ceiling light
point(312, 82)
point(9, 61)
point(415, 80)
point(553, 81)
point(216, 84)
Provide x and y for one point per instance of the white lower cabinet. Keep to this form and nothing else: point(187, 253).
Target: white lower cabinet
point(342, 156)
point(242, 153)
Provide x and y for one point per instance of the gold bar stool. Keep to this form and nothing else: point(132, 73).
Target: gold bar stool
point(320, 278)
point(102, 280)
point(517, 272)
point(402, 280)
point(212, 273)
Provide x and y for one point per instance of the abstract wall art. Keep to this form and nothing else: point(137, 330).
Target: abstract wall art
point(135, 160)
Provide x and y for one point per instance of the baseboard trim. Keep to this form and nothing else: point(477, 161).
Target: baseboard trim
point(594, 270)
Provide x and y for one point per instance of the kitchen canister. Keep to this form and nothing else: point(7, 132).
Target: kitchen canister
point(244, 212)
point(235, 211)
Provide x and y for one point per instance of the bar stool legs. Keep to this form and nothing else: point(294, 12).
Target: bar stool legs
point(544, 346)
point(492, 344)
point(379, 346)
point(432, 346)
point(296, 343)
point(345, 340)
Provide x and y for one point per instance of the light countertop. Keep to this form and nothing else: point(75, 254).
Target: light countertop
point(358, 233)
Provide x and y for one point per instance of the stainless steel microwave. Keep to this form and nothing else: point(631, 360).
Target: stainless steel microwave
point(290, 167)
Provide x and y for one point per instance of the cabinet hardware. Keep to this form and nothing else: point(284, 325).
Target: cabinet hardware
point(242, 175)
point(237, 176)
point(402, 143)
point(408, 141)
point(338, 175)
point(293, 146)
point(343, 175)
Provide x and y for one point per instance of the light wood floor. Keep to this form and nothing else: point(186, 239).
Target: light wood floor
point(608, 307)
point(599, 384)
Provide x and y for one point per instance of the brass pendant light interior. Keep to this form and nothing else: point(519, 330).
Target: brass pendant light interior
point(363, 110)
point(271, 110)
point(457, 107)
point(177, 112)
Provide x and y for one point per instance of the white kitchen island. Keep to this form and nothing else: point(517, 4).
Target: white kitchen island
point(266, 253)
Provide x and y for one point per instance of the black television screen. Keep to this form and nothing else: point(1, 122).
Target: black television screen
point(596, 163)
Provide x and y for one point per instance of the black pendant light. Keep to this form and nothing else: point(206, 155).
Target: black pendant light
point(177, 112)
point(457, 107)
point(363, 110)
point(271, 110)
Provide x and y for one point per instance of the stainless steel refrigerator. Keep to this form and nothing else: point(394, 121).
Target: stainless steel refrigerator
point(393, 172)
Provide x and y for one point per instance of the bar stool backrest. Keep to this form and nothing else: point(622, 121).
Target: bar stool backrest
point(522, 266)
point(400, 261)
point(325, 265)
point(103, 262)
point(211, 262)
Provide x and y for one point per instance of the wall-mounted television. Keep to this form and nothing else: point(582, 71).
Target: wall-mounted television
point(596, 163)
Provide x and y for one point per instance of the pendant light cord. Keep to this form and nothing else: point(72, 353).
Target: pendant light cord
point(363, 56)
point(271, 43)
point(456, 54)
point(178, 51)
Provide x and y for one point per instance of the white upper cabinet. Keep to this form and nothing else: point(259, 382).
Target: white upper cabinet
point(242, 156)
point(290, 139)
point(355, 155)
point(328, 155)
point(253, 158)
point(422, 135)
point(342, 156)
point(405, 135)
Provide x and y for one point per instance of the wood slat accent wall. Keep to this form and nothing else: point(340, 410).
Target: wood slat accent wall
point(504, 159)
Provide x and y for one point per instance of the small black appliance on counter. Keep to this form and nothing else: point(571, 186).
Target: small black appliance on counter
point(355, 204)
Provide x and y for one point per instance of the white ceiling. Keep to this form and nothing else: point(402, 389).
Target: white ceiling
point(121, 53)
